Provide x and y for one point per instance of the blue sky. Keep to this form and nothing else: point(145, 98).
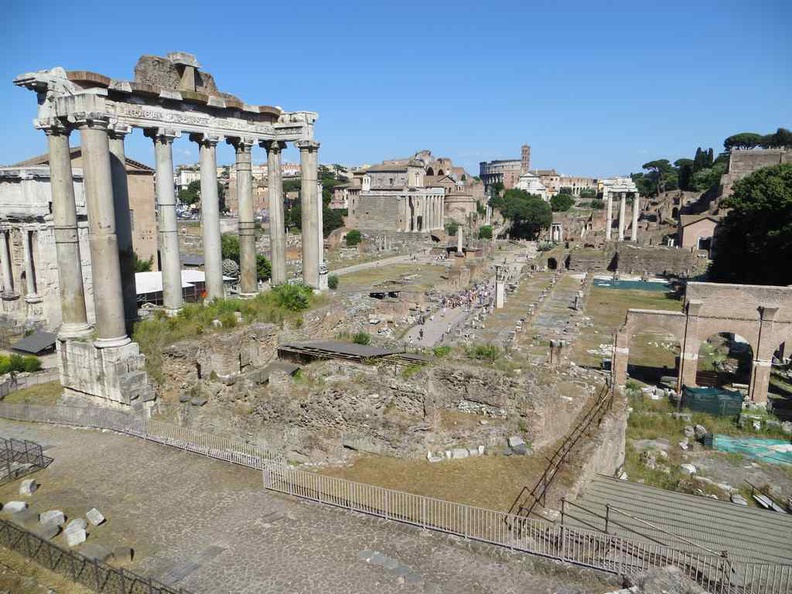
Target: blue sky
point(596, 88)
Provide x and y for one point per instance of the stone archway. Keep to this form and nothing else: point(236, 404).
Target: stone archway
point(760, 314)
point(724, 359)
point(552, 264)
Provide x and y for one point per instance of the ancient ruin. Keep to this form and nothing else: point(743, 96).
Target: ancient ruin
point(169, 97)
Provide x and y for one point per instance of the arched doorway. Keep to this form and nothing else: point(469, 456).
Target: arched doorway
point(725, 359)
point(552, 263)
point(429, 171)
point(440, 172)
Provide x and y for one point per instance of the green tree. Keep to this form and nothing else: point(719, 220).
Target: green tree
point(684, 172)
point(353, 238)
point(331, 220)
point(588, 193)
point(142, 265)
point(528, 213)
point(662, 174)
point(263, 268)
point(485, 232)
point(754, 241)
point(743, 140)
point(451, 227)
point(562, 202)
point(781, 138)
point(191, 194)
point(229, 247)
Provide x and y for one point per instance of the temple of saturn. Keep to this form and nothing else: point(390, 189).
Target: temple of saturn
point(169, 97)
point(621, 187)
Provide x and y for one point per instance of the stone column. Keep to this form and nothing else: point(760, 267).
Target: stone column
point(170, 261)
point(320, 237)
point(500, 287)
point(105, 263)
point(210, 215)
point(31, 295)
point(74, 319)
point(688, 357)
point(608, 214)
point(636, 211)
point(763, 356)
point(310, 213)
point(5, 255)
point(248, 286)
point(277, 223)
point(460, 241)
point(126, 251)
point(622, 213)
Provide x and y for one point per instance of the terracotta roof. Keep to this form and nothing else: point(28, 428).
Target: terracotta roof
point(76, 151)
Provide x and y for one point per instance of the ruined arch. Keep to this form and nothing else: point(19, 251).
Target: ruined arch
point(724, 358)
point(552, 264)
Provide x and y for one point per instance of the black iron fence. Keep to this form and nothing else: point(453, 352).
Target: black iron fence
point(20, 457)
point(91, 573)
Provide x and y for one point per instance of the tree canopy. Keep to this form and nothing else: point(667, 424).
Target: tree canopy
point(528, 213)
point(229, 247)
point(743, 140)
point(191, 194)
point(562, 202)
point(754, 242)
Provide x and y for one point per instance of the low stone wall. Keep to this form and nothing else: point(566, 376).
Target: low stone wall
point(604, 454)
point(658, 260)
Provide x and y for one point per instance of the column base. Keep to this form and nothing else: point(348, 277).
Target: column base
point(74, 331)
point(172, 312)
point(247, 295)
point(106, 343)
point(9, 296)
point(33, 298)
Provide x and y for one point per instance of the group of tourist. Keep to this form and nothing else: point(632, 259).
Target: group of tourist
point(480, 295)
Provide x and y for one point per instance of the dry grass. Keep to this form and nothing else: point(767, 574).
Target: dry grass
point(46, 394)
point(19, 575)
point(489, 481)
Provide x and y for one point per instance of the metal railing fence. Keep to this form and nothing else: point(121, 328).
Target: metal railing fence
point(19, 457)
point(221, 447)
point(20, 383)
point(91, 573)
point(607, 552)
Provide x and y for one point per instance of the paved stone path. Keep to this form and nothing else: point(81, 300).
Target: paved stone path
point(434, 330)
point(209, 527)
point(378, 264)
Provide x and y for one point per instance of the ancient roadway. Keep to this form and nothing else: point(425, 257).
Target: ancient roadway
point(209, 527)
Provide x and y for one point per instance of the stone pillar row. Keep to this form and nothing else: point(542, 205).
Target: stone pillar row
point(110, 227)
point(622, 211)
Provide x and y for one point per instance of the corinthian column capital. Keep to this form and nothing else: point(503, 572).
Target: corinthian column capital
point(164, 135)
point(308, 145)
point(241, 144)
point(209, 140)
point(273, 146)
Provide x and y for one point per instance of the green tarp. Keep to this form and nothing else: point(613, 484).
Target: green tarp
point(774, 451)
point(715, 401)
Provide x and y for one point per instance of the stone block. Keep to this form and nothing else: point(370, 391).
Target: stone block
point(481, 450)
point(123, 554)
point(46, 531)
point(28, 487)
point(786, 427)
point(689, 431)
point(77, 523)
point(96, 552)
point(521, 450)
point(184, 397)
point(700, 431)
point(26, 517)
point(688, 468)
point(738, 499)
point(94, 516)
point(198, 400)
point(53, 516)
point(12, 507)
point(473, 452)
point(515, 441)
point(75, 537)
point(432, 458)
point(460, 453)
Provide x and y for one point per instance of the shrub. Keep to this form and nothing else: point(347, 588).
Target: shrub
point(16, 363)
point(361, 338)
point(293, 297)
point(485, 232)
point(452, 227)
point(353, 238)
point(332, 281)
point(561, 202)
point(441, 351)
point(484, 352)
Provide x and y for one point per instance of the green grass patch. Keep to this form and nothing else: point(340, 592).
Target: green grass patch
point(44, 394)
point(281, 304)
